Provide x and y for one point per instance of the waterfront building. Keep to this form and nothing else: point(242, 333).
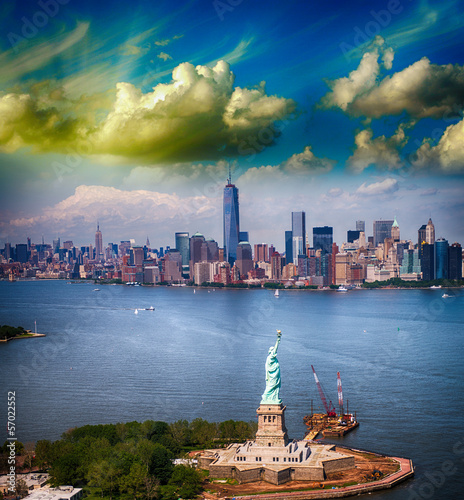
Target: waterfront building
point(231, 221)
point(323, 238)
point(209, 250)
point(172, 266)
point(410, 268)
point(298, 235)
point(382, 230)
point(276, 266)
point(98, 244)
point(196, 242)
point(244, 260)
point(421, 234)
point(441, 259)
point(428, 262)
point(203, 272)
point(455, 262)
point(288, 247)
point(430, 232)
point(183, 245)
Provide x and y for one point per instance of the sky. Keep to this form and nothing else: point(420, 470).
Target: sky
point(130, 114)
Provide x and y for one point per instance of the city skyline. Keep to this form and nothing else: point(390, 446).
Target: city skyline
point(340, 111)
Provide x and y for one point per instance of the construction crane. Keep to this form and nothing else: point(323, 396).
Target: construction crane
point(330, 410)
point(340, 393)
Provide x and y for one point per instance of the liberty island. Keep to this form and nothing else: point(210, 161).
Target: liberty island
point(272, 456)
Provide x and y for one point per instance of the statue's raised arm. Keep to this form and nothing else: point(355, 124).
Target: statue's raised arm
point(271, 393)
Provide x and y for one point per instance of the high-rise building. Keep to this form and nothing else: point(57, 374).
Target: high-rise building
point(455, 262)
point(183, 245)
point(209, 250)
point(428, 262)
point(323, 239)
point(98, 243)
point(382, 230)
point(136, 256)
point(421, 238)
point(56, 245)
point(288, 247)
point(361, 226)
point(261, 253)
point(441, 259)
point(298, 235)
point(276, 266)
point(21, 253)
point(243, 236)
point(231, 221)
point(244, 259)
point(430, 232)
point(196, 241)
point(352, 236)
point(395, 231)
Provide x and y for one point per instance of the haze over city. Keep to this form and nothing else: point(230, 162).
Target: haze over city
point(346, 111)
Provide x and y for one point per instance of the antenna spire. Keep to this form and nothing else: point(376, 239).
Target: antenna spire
point(229, 180)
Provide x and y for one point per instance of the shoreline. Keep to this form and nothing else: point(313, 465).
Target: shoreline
point(27, 336)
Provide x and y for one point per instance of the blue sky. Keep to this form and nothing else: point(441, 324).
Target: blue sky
point(130, 113)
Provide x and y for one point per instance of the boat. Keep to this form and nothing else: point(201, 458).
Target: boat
point(445, 296)
point(96, 289)
point(151, 308)
point(276, 293)
point(435, 287)
point(136, 311)
point(342, 289)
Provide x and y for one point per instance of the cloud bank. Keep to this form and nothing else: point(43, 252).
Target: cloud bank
point(198, 115)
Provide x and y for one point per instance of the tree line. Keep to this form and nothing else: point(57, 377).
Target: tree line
point(135, 460)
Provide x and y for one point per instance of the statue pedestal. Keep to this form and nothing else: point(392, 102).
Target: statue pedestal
point(271, 425)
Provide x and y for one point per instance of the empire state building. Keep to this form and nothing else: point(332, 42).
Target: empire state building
point(231, 222)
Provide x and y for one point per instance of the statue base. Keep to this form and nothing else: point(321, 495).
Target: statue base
point(271, 426)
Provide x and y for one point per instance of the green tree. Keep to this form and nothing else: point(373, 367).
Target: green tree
point(161, 463)
point(43, 453)
point(134, 482)
point(180, 432)
point(104, 475)
point(185, 482)
point(65, 470)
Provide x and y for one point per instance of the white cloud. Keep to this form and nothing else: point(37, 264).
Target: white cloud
point(346, 89)
point(387, 186)
point(307, 163)
point(164, 56)
point(124, 211)
point(383, 152)
point(447, 156)
point(422, 89)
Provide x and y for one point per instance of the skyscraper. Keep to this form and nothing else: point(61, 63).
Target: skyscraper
point(441, 259)
point(244, 261)
point(395, 231)
point(183, 245)
point(298, 235)
point(421, 239)
point(288, 247)
point(98, 243)
point(430, 232)
point(323, 239)
point(361, 226)
point(231, 221)
point(455, 262)
point(382, 230)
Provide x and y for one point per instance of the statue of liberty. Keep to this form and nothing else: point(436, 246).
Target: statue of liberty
point(271, 393)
